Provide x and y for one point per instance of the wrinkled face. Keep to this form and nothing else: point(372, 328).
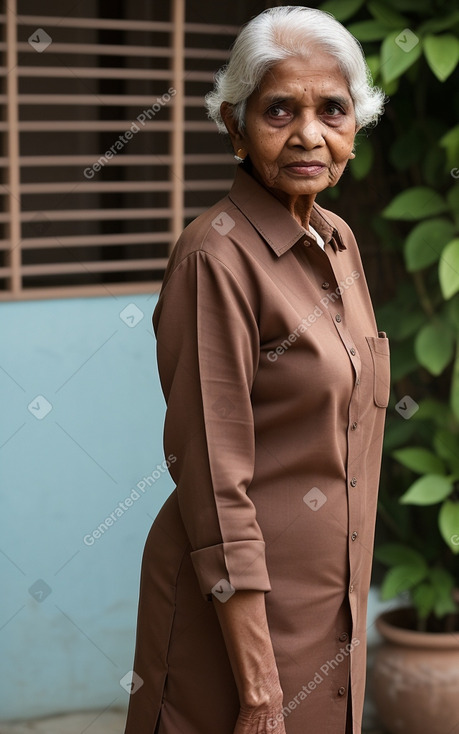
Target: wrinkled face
point(300, 125)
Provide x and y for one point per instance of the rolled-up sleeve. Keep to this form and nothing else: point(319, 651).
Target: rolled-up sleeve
point(208, 350)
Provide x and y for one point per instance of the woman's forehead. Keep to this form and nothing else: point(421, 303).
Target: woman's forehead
point(295, 76)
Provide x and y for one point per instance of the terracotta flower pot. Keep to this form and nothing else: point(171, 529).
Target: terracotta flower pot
point(415, 679)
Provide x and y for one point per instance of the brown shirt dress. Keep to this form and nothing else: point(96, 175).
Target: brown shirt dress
point(276, 382)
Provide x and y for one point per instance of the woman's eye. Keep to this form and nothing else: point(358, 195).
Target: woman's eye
point(333, 110)
point(277, 111)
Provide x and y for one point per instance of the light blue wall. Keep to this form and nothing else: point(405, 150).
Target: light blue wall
point(61, 476)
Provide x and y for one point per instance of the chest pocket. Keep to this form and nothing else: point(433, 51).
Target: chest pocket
point(379, 348)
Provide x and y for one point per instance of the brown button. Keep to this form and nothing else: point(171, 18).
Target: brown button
point(354, 426)
point(353, 482)
point(343, 637)
point(352, 351)
point(341, 691)
point(325, 286)
point(338, 318)
point(354, 535)
point(351, 588)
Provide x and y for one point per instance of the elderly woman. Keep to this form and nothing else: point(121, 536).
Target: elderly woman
point(256, 571)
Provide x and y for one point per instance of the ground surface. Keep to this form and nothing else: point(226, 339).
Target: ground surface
point(89, 722)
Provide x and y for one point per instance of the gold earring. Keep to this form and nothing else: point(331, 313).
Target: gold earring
point(241, 154)
point(351, 155)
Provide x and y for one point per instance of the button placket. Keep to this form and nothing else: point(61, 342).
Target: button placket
point(335, 310)
point(320, 271)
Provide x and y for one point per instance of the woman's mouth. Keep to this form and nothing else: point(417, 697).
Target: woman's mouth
point(306, 168)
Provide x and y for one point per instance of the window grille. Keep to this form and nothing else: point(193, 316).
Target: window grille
point(107, 149)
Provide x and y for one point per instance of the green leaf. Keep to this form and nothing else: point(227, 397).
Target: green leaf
point(433, 167)
point(451, 137)
point(434, 347)
point(408, 324)
point(418, 202)
point(442, 54)
point(401, 578)
point(390, 88)
point(368, 30)
point(450, 141)
point(396, 554)
point(423, 597)
point(455, 386)
point(342, 9)
point(397, 433)
point(448, 522)
point(428, 490)
point(420, 460)
point(421, 7)
point(446, 445)
point(436, 411)
point(382, 12)
point(373, 64)
point(444, 605)
point(443, 584)
point(426, 241)
point(399, 51)
point(448, 269)
point(361, 165)
point(442, 23)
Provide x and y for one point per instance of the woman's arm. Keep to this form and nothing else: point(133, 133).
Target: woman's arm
point(245, 630)
point(208, 353)
point(208, 345)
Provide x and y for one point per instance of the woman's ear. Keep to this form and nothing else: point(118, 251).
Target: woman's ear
point(352, 154)
point(226, 111)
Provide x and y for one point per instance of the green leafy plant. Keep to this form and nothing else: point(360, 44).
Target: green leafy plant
point(412, 164)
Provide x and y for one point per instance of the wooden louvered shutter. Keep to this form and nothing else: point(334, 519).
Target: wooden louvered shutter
point(108, 152)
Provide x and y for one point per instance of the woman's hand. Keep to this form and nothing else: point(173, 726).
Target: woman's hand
point(248, 642)
point(267, 717)
point(266, 723)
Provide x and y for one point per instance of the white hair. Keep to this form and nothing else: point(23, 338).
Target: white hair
point(280, 33)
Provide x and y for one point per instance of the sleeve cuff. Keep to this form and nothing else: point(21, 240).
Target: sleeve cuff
point(241, 563)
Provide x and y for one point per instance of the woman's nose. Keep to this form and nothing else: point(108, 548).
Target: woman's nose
point(310, 133)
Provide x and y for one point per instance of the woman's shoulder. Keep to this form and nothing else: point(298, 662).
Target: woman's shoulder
point(221, 235)
point(205, 233)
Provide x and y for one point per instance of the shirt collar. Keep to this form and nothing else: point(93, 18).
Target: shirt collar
point(272, 220)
